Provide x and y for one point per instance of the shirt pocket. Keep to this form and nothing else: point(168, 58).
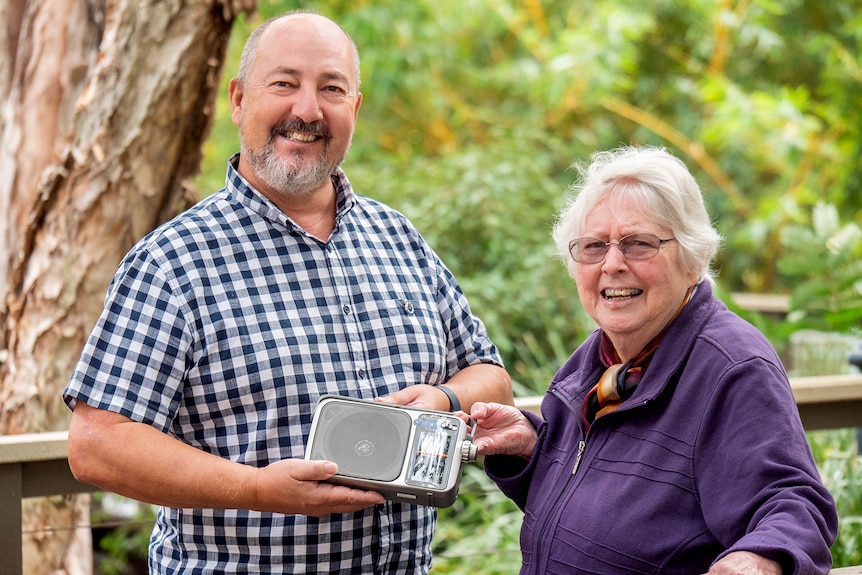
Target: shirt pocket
point(404, 338)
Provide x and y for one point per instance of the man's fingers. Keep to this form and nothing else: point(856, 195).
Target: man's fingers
point(314, 470)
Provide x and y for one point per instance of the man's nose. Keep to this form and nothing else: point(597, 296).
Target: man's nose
point(306, 104)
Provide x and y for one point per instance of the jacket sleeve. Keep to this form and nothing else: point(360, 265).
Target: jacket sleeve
point(759, 486)
point(512, 474)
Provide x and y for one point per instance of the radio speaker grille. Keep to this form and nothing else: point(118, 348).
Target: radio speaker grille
point(365, 442)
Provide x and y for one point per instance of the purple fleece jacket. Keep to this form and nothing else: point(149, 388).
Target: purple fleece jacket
point(707, 457)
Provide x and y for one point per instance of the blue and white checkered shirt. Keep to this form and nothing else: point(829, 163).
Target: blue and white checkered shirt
point(224, 326)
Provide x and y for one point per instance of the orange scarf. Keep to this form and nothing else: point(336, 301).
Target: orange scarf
point(619, 380)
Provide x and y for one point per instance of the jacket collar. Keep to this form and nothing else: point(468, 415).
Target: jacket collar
point(583, 368)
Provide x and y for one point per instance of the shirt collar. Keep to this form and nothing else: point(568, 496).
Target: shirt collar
point(238, 186)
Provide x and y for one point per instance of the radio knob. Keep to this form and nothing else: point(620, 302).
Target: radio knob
point(469, 452)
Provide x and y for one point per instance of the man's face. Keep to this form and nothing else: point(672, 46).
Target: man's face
point(297, 110)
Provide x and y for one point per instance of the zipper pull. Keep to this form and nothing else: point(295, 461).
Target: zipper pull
point(581, 445)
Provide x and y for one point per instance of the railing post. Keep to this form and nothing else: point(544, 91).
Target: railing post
point(855, 360)
point(11, 487)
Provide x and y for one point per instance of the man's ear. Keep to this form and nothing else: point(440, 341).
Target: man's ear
point(358, 103)
point(235, 94)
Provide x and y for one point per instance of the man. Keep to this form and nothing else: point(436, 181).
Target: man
point(222, 328)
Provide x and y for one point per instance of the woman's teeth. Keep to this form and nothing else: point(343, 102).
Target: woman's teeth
point(620, 293)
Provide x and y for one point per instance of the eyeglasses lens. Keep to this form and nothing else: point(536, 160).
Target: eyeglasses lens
point(633, 247)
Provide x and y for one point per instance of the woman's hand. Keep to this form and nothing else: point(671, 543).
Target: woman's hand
point(745, 563)
point(502, 430)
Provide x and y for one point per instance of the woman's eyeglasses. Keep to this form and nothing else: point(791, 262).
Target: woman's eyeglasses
point(634, 247)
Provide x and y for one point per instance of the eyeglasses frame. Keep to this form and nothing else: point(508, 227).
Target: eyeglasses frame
point(617, 243)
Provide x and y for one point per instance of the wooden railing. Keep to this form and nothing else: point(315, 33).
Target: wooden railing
point(824, 402)
point(773, 305)
point(36, 465)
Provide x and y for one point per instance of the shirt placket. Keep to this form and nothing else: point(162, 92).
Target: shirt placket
point(341, 284)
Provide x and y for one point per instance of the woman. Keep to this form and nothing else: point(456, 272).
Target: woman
point(670, 441)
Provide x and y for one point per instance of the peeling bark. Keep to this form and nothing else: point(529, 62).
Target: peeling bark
point(108, 103)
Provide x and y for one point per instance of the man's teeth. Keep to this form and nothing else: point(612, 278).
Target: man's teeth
point(301, 137)
point(627, 292)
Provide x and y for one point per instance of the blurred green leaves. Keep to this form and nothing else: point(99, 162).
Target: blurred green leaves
point(826, 257)
point(474, 110)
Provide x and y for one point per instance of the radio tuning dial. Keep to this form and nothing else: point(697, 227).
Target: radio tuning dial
point(469, 452)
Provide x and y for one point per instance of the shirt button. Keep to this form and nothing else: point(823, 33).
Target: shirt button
point(345, 308)
point(361, 374)
point(408, 308)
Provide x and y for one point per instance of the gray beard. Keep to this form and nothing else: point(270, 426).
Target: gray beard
point(290, 177)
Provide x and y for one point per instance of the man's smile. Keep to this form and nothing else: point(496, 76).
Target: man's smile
point(296, 130)
point(301, 137)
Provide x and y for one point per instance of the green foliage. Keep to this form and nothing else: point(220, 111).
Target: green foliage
point(840, 464)
point(489, 215)
point(825, 258)
point(474, 109)
point(122, 548)
point(480, 532)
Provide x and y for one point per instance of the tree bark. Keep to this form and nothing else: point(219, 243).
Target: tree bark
point(108, 103)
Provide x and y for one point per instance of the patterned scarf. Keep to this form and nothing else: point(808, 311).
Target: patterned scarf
point(619, 380)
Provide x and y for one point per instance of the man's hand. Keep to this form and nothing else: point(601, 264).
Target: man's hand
point(477, 382)
point(744, 563)
point(299, 486)
point(420, 396)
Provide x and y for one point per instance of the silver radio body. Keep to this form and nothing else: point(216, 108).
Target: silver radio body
point(406, 454)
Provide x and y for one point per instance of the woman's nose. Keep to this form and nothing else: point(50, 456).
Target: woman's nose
point(614, 258)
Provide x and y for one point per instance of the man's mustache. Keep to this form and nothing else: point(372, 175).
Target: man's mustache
point(297, 125)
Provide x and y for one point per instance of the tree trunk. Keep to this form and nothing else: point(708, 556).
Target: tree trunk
point(108, 103)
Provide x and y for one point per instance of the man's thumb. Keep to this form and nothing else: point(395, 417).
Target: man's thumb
point(316, 471)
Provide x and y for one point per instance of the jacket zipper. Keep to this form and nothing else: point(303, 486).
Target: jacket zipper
point(552, 512)
point(581, 445)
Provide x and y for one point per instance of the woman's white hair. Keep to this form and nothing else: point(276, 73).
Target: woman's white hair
point(658, 184)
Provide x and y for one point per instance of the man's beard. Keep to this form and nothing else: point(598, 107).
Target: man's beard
point(291, 176)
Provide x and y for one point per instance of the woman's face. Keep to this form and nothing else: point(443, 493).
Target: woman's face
point(631, 300)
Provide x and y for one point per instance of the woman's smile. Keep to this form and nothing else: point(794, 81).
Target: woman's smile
point(620, 293)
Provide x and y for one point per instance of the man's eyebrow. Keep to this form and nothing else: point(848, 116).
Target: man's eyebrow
point(332, 76)
point(336, 77)
point(284, 70)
